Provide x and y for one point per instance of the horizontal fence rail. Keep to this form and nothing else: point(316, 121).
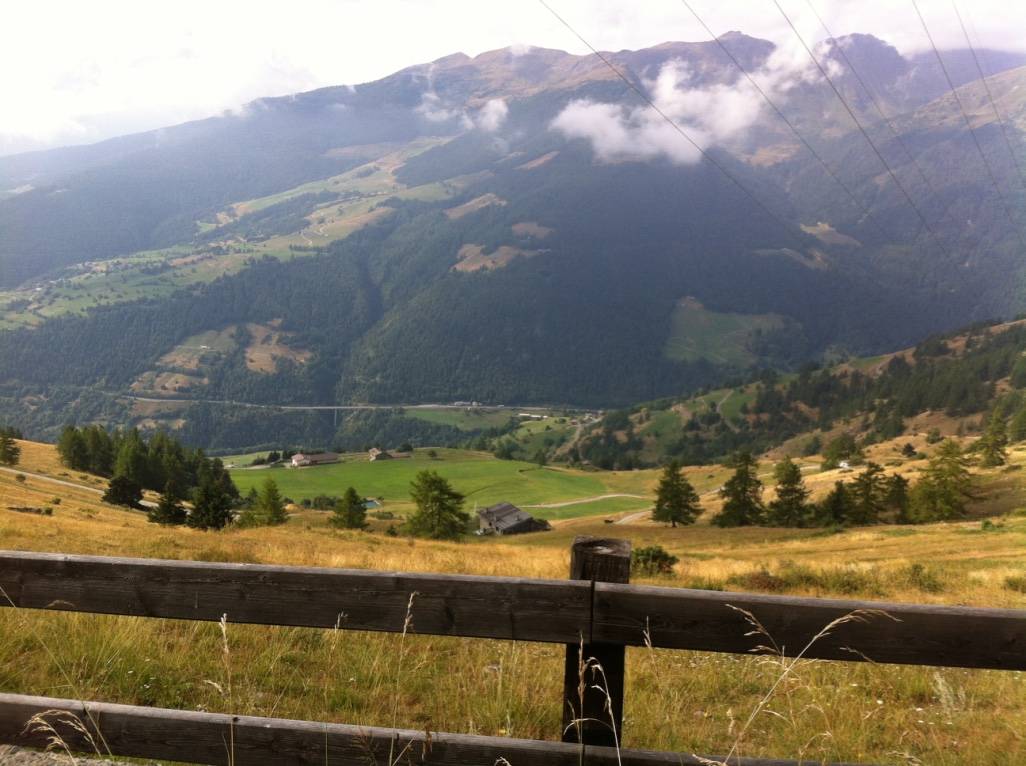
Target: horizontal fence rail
point(213, 738)
point(876, 631)
point(553, 611)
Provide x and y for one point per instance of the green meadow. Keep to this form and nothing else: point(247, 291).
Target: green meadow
point(482, 479)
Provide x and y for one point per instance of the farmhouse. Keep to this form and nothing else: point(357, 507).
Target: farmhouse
point(507, 519)
point(301, 459)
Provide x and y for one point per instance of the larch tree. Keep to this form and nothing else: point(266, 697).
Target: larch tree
point(439, 513)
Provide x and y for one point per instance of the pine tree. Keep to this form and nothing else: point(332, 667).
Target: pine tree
point(676, 500)
point(350, 511)
point(10, 452)
point(790, 507)
point(122, 490)
point(868, 493)
point(742, 494)
point(993, 442)
point(169, 510)
point(439, 513)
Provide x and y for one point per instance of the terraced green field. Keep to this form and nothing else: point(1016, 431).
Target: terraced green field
point(465, 420)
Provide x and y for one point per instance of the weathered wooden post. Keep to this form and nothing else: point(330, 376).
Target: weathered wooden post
point(599, 560)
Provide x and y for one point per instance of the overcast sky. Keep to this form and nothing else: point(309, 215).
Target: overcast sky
point(77, 71)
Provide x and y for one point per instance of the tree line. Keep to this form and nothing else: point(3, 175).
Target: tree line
point(160, 463)
point(942, 493)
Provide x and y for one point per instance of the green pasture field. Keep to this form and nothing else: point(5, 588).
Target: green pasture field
point(483, 479)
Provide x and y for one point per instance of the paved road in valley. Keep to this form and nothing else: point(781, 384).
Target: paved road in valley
point(578, 501)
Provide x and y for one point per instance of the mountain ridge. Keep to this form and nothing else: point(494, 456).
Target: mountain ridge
point(427, 237)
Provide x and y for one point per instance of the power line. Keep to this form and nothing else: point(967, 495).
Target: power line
point(862, 129)
point(969, 125)
point(876, 104)
point(990, 94)
point(858, 203)
point(705, 155)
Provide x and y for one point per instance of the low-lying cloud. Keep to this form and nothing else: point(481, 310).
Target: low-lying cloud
point(489, 118)
point(492, 115)
point(709, 114)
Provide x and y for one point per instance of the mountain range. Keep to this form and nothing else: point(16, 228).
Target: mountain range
point(516, 227)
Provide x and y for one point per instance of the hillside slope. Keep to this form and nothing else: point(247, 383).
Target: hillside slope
point(948, 385)
point(447, 234)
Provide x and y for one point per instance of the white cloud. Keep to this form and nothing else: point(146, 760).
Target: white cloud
point(432, 108)
point(492, 115)
point(79, 71)
point(708, 114)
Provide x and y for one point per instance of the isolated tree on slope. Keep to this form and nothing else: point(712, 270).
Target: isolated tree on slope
point(169, 510)
point(676, 500)
point(742, 494)
point(350, 512)
point(10, 452)
point(790, 507)
point(439, 512)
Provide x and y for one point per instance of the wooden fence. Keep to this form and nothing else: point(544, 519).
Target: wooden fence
point(603, 617)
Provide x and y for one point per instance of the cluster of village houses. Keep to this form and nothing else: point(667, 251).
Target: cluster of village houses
point(499, 519)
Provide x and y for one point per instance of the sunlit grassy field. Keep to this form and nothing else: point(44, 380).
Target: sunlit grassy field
point(694, 702)
point(480, 477)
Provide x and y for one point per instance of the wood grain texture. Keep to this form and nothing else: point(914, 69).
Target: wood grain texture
point(593, 673)
point(212, 738)
point(453, 605)
point(677, 618)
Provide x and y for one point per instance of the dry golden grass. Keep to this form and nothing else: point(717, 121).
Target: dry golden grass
point(691, 701)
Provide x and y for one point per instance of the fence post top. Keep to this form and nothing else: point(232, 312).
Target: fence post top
point(602, 546)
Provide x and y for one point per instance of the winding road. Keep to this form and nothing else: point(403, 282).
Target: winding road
point(581, 500)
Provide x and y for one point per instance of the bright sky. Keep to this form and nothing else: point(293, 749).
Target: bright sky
point(76, 71)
